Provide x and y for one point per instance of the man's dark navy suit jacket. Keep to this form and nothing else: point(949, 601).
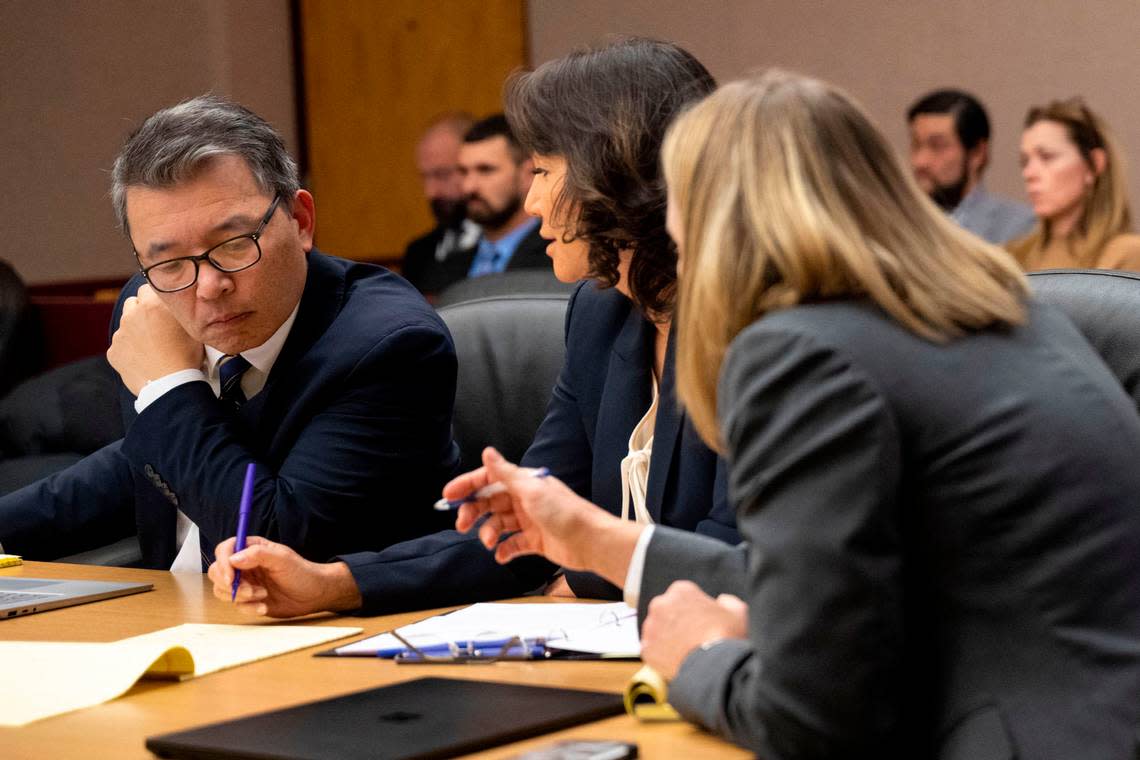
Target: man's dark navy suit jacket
point(351, 434)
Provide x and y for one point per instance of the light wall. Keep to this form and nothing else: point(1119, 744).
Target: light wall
point(1011, 53)
point(77, 75)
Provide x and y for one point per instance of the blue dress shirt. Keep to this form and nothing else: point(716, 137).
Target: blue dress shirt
point(492, 257)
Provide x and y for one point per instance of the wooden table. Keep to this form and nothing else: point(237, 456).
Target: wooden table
point(118, 728)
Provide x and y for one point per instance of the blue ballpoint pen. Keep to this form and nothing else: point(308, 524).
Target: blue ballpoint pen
point(445, 648)
point(516, 652)
point(486, 492)
point(243, 520)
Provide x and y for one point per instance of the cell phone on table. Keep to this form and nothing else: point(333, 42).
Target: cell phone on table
point(582, 750)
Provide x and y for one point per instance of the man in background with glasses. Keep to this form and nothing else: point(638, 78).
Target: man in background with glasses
point(238, 342)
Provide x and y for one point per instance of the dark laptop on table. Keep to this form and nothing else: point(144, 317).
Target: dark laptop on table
point(424, 718)
point(22, 596)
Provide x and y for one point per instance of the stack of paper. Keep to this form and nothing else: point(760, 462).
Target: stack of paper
point(606, 630)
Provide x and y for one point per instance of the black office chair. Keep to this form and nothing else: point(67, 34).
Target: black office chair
point(1105, 306)
point(519, 282)
point(21, 333)
point(53, 420)
point(69, 411)
point(510, 349)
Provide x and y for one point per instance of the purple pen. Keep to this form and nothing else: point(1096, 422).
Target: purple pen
point(243, 520)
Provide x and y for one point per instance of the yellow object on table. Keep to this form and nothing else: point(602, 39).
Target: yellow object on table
point(10, 560)
point(646, 697)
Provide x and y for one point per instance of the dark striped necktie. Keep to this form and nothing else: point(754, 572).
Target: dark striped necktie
point(230, 372)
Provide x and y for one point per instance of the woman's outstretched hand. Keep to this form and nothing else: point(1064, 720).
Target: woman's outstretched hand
point(539, 515)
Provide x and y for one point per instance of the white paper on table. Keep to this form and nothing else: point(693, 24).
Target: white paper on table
point(609, 629)
point(614, 638)
point(46, 678)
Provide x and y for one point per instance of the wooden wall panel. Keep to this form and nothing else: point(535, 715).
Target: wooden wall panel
point(375, 74)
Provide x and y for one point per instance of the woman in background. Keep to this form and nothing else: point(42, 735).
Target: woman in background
point(935, 474)
point(1074, 176)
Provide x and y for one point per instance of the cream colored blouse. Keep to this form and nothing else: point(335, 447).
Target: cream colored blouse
point(635, 465)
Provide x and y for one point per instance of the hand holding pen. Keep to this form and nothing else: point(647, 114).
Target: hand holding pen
point(541, 514)
point(486, 492)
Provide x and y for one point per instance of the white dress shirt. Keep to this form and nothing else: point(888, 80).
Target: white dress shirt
point(631, 592)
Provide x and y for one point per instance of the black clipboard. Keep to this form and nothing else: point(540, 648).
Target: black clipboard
point(423, 718)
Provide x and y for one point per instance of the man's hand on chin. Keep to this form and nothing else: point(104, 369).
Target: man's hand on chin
point(150, 343)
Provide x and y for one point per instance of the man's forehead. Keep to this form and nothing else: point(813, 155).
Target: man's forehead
point(492, 150)
point(163, 221)
point(438, 147)
point(157, 211)
point(930, 124)
point(223, 180)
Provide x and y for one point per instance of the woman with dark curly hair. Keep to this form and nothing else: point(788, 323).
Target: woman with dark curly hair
point(595, 121)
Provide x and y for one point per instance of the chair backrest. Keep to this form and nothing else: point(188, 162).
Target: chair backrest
point(510, 350)
point(1105, 306)
point(511, 283)
point(73, 409)
point(21, 331)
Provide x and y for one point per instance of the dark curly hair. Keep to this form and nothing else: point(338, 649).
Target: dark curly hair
point(605, 110)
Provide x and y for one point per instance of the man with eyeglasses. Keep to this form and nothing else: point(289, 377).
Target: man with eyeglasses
point(238, 342)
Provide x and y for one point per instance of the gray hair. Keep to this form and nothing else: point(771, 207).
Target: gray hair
point(174, 144)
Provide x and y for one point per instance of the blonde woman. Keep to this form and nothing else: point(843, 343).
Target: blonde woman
point(1074, 176)
point(935, 474)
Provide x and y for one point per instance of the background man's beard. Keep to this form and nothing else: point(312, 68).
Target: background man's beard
point(493, 219)
point(449, 212)
point(949, 196)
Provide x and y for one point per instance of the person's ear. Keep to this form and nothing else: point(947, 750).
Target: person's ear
point(304, 213)
point(977, 158)
point(1099, 160)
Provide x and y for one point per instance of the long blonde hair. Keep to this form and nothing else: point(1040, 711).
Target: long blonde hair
point(786, 194)
point(1105, 214)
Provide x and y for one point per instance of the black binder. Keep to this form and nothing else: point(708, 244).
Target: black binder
point(424, 718)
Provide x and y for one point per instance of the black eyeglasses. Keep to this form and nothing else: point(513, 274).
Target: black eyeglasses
point(228, 256)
